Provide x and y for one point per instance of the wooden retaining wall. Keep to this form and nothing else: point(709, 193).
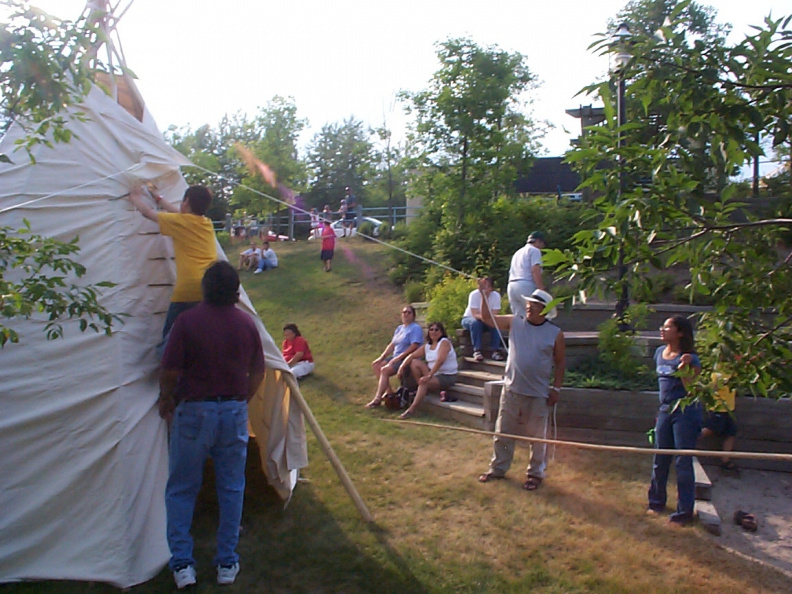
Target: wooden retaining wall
point(623, 418)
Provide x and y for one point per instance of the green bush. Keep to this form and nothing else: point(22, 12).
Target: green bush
point(619, 354)
point(448, 300)
point(413, 291)
point(367, 228)
point(223, 238)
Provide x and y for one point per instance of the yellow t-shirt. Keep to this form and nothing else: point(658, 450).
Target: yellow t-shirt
point(724, 396)
point(194, 248)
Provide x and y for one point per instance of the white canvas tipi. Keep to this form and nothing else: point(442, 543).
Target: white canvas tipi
point(84, 452)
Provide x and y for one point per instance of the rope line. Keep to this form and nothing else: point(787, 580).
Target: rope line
point(606, 448)
point(65, 190)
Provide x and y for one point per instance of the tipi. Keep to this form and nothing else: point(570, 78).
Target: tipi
point(84, 452)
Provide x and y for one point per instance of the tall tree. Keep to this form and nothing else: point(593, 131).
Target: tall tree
point(340, 155)
point(470, 135)
point(646, 17)
point(717, 99)
point(277, 135)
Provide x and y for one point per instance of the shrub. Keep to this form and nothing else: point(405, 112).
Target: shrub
point(619, 354)
point(367, 228)
point(413, 291)
point(223, 238)
point(448, 300)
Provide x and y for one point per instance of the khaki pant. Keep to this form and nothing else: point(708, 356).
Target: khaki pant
point(520, 415)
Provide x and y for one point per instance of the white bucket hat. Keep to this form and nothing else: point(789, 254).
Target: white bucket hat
point(543, 297)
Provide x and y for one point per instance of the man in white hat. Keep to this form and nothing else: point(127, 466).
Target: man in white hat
point(525, 272)
point(532, 384)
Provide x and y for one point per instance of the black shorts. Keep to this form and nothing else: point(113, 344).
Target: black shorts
point(720, 423)
point(326, 254)
point(350, 217)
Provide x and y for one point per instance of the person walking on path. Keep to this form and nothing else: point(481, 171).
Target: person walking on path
point(472, 320)
point(213, 365)
point(525, 272)
point(532, 384)
point(328, 245)
point(678, 425)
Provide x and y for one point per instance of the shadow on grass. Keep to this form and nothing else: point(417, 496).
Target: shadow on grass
point(302, 548)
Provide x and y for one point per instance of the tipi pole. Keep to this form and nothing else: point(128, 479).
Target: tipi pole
point(328, 449)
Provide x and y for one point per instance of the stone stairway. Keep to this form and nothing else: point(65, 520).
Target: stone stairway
point(477, 393)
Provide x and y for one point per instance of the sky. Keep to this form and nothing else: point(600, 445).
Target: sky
point(197, 60)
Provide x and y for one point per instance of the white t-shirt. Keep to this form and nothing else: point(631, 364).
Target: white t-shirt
point(474, 302)
point(449, 366)
point(523, 262)
point(270, 256)
point(251, 251)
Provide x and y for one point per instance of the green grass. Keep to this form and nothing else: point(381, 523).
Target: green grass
point(436, 528)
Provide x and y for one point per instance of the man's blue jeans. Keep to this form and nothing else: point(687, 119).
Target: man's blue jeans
point(202, 429)
point(476, 329)
point(675, 430)
point(265, 264)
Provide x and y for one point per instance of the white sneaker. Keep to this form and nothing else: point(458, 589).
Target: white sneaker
point(227, 574)
point(478, 356)
point(184, 577)
point(257, 271)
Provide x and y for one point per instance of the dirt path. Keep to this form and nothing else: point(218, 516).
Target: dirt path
point(768, 496)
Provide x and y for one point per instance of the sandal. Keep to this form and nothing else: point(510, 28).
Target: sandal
point(746, 520)
point(374, 403)
point(532, 484)
point(406, 414)
point(490, 476)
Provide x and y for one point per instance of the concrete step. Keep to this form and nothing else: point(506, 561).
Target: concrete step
point(487, 365)
point(708, 516)
point(703, 483)
point(467, 393)
point(465, 413)
point(473, 377)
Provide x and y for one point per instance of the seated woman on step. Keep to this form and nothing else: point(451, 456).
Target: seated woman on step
point(438, 372)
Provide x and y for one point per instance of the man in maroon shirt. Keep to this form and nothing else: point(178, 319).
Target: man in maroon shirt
point(213, 365)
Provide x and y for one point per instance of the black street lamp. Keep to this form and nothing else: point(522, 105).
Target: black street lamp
point(621, 37)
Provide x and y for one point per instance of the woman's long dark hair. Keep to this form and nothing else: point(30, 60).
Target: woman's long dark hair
point(685, 328)
point(442, 331)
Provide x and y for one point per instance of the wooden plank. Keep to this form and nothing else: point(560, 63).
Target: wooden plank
point(708, 516)
point(703, 483)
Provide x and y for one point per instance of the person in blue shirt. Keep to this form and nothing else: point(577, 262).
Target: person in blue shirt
point(677, 425)
point(406, 338)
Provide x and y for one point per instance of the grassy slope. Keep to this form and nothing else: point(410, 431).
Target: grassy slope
point(437, 529)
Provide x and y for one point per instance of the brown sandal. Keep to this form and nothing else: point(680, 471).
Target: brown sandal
point(532, 484)
point(746, 520)
point(490, 476)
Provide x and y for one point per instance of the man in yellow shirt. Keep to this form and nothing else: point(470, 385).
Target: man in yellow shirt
point(719, 420)
point(194, 244)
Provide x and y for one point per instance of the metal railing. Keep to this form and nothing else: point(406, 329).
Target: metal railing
point(298, 224)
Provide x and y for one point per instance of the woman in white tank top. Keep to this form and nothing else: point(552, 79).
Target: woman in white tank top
point(438, 372)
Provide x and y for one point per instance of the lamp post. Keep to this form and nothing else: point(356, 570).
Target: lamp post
point(621, 37)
